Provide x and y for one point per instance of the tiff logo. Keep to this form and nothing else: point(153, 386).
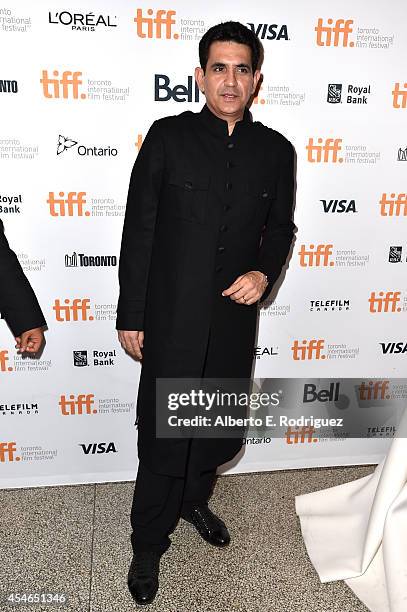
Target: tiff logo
point(325, 151)
point(80, 405)
point(334, 35)
point(399, 96)
point(393, 207)
point(4, 358)
point(71, 206)
point(385, 302)
point(298, 435)
point(7, 452)
point(374, 390)
point(65, 87)
point(77, 311)
point(316, 256)
point(308, 350)
point(154, 25)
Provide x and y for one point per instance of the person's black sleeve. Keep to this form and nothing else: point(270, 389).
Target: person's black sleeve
point(138, 231)
point(18, 303)
point(279, 231)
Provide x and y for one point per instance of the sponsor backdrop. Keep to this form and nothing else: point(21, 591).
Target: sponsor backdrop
point(79, 88)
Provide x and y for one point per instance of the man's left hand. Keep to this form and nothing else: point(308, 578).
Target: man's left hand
point(247, 288)
point(30, 341)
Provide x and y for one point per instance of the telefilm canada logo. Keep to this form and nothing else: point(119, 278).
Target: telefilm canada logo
point(329, 305)
point(84, 261)
point(355, 94)
point(84, 22)
point(65, 143)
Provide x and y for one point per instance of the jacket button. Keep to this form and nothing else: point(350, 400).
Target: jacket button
point(264, 194)
point(230, 145)
point(221, 249)
point(228, 186)
point(227, 207)
point(218, 268)
point(188, 185)
point(223, 228)
point(229, 164)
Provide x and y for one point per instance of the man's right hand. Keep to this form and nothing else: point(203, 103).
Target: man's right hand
point(132, 342)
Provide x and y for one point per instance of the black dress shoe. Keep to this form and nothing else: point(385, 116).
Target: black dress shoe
point(208, 525)
point(142, 579)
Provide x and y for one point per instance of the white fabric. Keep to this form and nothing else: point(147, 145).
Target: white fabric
point(357, 531)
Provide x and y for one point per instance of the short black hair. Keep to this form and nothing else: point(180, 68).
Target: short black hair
point(234, 31)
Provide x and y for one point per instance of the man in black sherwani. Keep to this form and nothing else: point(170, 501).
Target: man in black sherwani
point(207, 230)
point(18, 303)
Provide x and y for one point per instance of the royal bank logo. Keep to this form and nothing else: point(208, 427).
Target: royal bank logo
point(9, 204)
point(163, 91)
point(393, 348)
point(71, 205)
point(338, 206)
point(356, 94)
point(324, 150)
point(84, 22)
point(334, 34)
point(65, 143)
point(86, 261)
point(334, 93)
point(80, 359)
point(155, 24)
point(94, 448)
point(402, 154)
point(395, 254)
point(272, 31)
point(98, 358)
point(7, 86)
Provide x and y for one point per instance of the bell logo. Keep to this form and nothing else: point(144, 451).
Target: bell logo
point(71, 206)
point(399, 96)
point(295, 436)
point(154, 25)
point(325, 151)
point(374, 390)
point(316, 256)
point(393, 207)
point(77, 311)
point(385, 302)
point(65, 87)
point(3, 362)
point(82, 404)
point(334, 35)
point(311, 349)
point(7, 451)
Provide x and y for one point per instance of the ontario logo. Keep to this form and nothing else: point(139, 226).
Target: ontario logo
point(64, 143)
point(155, 24)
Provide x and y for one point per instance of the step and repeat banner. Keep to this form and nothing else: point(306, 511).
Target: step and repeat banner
point(79, 88)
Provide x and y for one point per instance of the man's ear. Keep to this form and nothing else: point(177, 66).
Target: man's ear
point(256, 77)
point(199, 78)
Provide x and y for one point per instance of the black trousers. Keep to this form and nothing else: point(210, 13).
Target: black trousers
point(160, 500)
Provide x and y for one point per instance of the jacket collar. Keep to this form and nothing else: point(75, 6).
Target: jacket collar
point(220, 126)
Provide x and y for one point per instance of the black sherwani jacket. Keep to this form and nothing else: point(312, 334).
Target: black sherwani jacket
point(18, 303)
point(203, 207)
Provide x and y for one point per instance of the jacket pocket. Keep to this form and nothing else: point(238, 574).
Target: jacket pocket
point(260, 194)
point(187, 196)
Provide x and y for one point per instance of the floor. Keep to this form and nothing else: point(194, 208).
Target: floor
point(75, 540)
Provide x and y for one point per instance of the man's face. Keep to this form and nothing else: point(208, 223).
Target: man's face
point(228, 81)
